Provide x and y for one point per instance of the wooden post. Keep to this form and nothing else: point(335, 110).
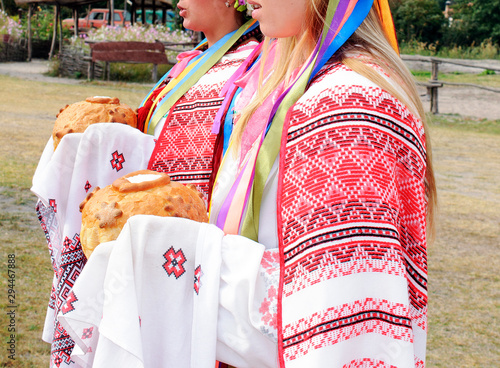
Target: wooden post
point(75, 21)
point(91, 70)
point(60, 27)
point(111, 13)
point(435, 69)
point(54, 34)
point(154, 13)
point(143, 10)
point(30, 12)
point(133, 15)
point(434, 90)
point(124, 12)
point(155, 73)
point(434, 100)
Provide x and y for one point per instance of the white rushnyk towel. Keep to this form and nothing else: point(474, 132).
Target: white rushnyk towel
point(150, 298)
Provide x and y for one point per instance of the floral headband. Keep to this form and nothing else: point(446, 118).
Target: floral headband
point(239, 5)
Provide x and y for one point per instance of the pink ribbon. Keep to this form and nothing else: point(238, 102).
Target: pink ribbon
point(183, 59)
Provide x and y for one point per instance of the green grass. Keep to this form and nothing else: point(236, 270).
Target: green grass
point(466, 124)
point(25, 126)
point(135, 73)
point(486, 50)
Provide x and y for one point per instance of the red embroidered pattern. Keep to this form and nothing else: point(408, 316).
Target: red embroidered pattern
point(52, 203)
point(197, 279)
point(117, 161)
point(367, 363)
point(353, 201)
point(87, 333)
point(87, 186)
point(68, 305)
point(185, 147)
point(175, 261)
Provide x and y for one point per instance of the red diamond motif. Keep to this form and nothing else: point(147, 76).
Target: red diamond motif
point(87, 186)
point(117, 161)
point(175, 260)
point(197, 279)
point(87, 333)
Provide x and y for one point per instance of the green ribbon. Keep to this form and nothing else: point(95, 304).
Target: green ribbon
point(267, 155)
point(272, 142)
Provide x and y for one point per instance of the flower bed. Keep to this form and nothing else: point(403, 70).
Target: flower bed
point(10, 45)
point(71, 59)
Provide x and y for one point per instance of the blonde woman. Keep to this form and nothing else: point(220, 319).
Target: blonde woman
point(338, 177)
point(320, 213)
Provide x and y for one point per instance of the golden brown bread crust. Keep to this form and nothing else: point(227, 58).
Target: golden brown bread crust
point(105, 211)
point(75, 118)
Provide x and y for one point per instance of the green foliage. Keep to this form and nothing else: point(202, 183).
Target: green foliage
point(474, 22)
point(469, 23)
point(135, 73)
point(177, 17)
point(42, 24)
point(418, 20)
point(486, 50)
point(487, 72)
point(421, 73)
point(10, 7)
point(467, 124)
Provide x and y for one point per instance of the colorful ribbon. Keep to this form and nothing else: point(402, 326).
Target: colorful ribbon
point(342, 19)
point(194, 70)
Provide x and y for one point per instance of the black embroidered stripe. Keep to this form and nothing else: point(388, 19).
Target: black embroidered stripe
point(345, 322)
point(196, 105)
point(340, 234)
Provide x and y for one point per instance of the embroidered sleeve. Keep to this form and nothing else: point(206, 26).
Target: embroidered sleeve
point(353, 219)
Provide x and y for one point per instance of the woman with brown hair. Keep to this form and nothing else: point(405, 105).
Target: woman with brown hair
point(105, 152)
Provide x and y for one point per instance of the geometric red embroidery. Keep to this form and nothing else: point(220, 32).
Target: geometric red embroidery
point(67, 242)
point(52, 203)
point(117, 161)
point(87, 186)
point(175, 261)
point(87, 333)
point(68, 306)
point(58, 360)
point(197, 279)
point(269, 316)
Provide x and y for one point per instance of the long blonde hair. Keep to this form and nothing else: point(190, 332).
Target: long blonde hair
point(368, 40)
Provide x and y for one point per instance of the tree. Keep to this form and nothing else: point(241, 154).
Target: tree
point(420, 20)
point(10, 7)
point(475, 21)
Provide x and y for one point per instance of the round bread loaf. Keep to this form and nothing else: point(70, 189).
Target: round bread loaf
point(75, 118)
point(105, 211)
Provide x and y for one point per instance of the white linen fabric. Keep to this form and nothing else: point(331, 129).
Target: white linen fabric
point(162, 295)
point(82, 162)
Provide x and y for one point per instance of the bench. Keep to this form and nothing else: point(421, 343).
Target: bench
point(127, 52)
point(432, 93)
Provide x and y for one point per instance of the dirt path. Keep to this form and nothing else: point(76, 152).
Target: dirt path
point(464, 101)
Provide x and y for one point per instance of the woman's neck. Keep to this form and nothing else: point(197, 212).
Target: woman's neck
point(217, 33)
